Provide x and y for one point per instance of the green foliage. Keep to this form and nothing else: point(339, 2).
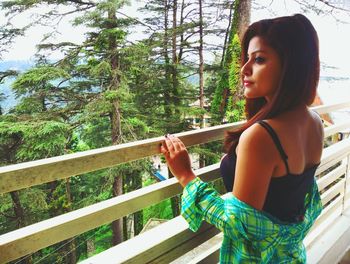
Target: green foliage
point(235, 67)
point(67, 106)
point(101, 69)
point(95, 132)
point(235, 106)
point(227, 94)
point(29, 106)
point(217, 106)
point(33, 140)
point(235, 110)
point(161, 210)
point(38, 78)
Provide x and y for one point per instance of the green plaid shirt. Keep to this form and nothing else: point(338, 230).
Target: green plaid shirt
point(250, 236)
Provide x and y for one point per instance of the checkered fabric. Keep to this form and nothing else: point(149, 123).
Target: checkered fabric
point(250, 235)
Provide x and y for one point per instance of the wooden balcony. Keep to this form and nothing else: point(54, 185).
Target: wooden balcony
point(326, 243)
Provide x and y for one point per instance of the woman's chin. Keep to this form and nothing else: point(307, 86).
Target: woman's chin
point(249, 95)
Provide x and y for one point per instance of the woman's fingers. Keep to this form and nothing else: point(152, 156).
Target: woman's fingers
point(179, 144)
point(167, 144)
point(175, 143)
point(171, 144)
point(163, 149)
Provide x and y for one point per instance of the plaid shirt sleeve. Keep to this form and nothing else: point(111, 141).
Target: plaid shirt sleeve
point(201, 202)
point(250, 235)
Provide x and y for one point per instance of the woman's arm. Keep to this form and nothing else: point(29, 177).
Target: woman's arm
point(178, 160)
point(256, 159)
point(199, 201)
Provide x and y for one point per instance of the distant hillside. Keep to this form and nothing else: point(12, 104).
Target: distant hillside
point(5, 87)
point(330, 77)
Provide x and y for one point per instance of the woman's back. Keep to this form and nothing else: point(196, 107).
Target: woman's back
point(300, 132)
point(277, 150)
point(297, 141)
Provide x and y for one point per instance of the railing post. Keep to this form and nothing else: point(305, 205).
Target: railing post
point(347, 173)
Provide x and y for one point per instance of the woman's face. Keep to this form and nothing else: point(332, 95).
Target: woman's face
point(262, 71)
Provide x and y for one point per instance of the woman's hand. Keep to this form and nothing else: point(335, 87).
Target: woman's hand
point(178, 160)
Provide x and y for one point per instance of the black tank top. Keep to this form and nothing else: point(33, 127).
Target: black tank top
point(286, 194)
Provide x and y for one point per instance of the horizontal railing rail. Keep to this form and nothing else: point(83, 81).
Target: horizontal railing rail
point(32, 238)
point(150, 250)
point(18, 176)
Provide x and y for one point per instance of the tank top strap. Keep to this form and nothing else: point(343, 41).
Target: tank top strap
point(277, 142)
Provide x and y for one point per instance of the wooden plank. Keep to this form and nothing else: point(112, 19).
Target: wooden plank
point(175, 252)
point(18, 176)
point(32, 238)
point(210, 256)
point(20, 242)
point(15, 177)
point(155, 246)
point(331, 130)
point(159, 239)
point(332, 192)
point(37, 236)
point(328, 215)
point(346, 205)
point(333, 154)
point(332, 243)
point(324, 109)
point(213, 257)
point(330, 177)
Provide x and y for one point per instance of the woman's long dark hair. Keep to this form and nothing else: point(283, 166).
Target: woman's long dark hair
point(295, 41)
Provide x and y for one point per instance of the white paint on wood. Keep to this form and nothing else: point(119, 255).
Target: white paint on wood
point(18, 176)
point(332, 243)
point(328, 215)
point(333, 129)
point(331, 177)
point(34, 237)
point(332, 192)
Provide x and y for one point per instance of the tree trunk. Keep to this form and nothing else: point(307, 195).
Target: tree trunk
point(18, 209)
point(138, 216)
point(201, 75)
point(182, 37)
point(90, 247)
point(175, 201)
point(117, 225)
point(138, 222)
point(20, 220)
point(201, 62)
point(125, 227)
point(227, 33)
point(240, 22)
point(167, 97)
point(115, 119)
point(71, 254)
point(244, 10)
point(175, 83)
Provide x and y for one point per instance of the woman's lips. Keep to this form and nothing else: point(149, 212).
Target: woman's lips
point(247, 83)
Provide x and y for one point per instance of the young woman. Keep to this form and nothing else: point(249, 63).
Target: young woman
point(272, 159)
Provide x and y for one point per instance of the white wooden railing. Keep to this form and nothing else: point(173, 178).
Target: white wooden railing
point(172, 239)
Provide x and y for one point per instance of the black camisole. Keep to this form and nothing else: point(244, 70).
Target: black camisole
point(286, 194)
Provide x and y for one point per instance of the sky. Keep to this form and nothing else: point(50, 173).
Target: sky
point(333, 36)
point(334, 43)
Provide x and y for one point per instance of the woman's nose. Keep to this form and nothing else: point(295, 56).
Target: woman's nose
point(246, 69)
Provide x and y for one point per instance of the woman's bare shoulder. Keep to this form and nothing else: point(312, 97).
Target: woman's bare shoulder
point(317, 120)
point(256, 138)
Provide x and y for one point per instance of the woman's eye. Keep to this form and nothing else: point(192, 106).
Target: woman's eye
point(259, 60)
